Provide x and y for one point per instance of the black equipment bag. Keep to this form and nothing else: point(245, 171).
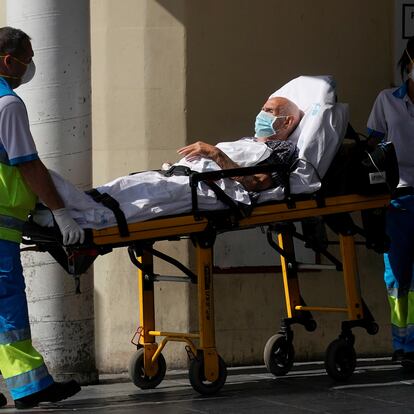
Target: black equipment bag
point(359, 169)
point(379, 172)
point(367, 170)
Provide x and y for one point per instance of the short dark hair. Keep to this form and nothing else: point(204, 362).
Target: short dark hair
point(12, 40)
point(405, 59)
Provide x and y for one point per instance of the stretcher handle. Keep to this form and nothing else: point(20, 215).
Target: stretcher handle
point(33, 234)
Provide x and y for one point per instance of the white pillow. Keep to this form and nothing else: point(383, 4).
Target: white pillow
point(320, 131)
point(304, 91)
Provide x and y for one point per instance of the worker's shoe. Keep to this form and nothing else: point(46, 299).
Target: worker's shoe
point(407, 361)
point(3, 400)
point(58, 391)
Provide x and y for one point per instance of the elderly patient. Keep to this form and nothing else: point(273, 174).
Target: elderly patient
point(150, 194)
point(275, 122)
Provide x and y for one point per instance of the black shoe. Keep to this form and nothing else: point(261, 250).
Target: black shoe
point(56, 392)
point(3, 400)
point(407, 361)
point(397, 355)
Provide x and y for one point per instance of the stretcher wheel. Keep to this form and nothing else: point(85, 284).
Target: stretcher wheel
point(198, 380)
point(373, 328)
point(311, 325)
point(340, 359)
point(137, 374)
point(279, 355)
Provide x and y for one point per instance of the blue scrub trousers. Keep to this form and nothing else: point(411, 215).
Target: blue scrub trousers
point(399, 270)
point(21, 365)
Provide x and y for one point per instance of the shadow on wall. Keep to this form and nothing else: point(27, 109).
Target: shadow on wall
point(239, 52)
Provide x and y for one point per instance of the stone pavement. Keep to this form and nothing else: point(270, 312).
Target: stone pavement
point(377, 386)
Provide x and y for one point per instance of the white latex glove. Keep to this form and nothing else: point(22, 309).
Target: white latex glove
point(71, 232)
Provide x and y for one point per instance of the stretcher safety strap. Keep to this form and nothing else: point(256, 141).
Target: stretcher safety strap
point(113, 205)
point(235, 208)
point(178, 170)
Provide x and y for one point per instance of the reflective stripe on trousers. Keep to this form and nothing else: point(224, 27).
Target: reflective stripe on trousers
point(399, 271)
point(402, 321)
point(20, 364)
point(23, 369)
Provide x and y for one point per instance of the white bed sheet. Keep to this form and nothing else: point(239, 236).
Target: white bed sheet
point(150, 194)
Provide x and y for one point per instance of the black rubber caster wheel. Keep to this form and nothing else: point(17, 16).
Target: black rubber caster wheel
point(372, 328)
point(340, 360)
point(198, 380)
point(278, 355)
point(137, 374)
point(310, 325)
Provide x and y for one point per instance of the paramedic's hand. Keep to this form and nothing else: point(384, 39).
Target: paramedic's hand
point(71, 232)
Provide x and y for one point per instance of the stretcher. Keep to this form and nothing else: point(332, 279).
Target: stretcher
point(207, 370)
point(318, 136)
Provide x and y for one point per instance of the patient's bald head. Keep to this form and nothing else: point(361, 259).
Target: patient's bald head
point(290, 117)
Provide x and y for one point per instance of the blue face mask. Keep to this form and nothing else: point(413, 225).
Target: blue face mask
point(264, 125)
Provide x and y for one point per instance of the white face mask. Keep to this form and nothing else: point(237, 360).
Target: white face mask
point(411, 74)
point(30, 72)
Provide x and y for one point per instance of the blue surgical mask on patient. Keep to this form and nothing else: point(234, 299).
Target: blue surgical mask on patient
point(264, 125)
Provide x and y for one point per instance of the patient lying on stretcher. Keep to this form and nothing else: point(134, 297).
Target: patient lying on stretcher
point(150, 194)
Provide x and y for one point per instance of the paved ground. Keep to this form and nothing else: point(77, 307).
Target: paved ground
point(377, 386)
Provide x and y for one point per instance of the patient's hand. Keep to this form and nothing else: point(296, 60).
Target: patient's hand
point(166, 166)
point(257, 182)
point(199, 149)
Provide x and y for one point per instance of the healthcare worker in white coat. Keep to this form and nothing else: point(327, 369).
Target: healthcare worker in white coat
point(392, 119)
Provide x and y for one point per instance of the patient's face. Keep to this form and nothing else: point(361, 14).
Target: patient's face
point(272, 106)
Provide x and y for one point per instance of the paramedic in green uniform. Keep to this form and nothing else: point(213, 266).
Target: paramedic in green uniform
point(23, 178)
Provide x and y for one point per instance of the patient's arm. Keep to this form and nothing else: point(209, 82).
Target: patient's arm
point(256, 182)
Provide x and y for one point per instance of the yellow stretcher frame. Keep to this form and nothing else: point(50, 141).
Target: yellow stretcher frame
point(207, 370)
